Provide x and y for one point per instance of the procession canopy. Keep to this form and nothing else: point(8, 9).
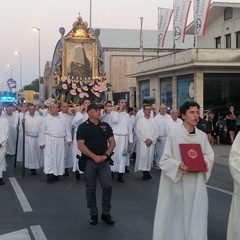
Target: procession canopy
point(77, 65)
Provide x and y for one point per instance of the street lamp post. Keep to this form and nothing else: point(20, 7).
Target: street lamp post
point(36, 29)
point(10, 66)
point(20, 58)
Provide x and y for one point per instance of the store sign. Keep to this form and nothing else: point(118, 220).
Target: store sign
point(11, 83)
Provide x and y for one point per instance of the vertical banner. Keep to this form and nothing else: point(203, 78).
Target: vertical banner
point(181, 11)
point(201, 10)
point(164, 18)
point(141, 38)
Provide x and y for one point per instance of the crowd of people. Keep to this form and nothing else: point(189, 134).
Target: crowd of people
point(101, 142)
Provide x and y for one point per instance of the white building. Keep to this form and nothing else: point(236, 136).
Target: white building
point(208, 74)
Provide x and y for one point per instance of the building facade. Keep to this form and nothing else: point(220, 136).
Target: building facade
point(209, 74)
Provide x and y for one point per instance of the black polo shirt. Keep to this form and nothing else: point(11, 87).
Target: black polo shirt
point(95, 136)
point(204, 126)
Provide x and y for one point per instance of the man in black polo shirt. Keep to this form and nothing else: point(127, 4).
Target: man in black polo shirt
point(96, 142)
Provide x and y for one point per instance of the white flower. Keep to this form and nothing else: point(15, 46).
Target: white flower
point(64, 86)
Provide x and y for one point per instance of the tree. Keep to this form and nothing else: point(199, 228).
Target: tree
point(34, 85)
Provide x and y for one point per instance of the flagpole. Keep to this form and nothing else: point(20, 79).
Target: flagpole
point(141, 38)
point(194, 20)
point(90, 15)
point(173, 25)
point(158, 40)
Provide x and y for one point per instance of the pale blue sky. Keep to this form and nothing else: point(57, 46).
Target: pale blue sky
point(19, 16)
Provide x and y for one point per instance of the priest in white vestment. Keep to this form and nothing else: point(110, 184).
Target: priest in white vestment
point(233, 232)
point(109, 114)
point(4, 130)
point(52, 139)
point(33, 153)
point(68, 119)
point(80, 117)
point(182, 205)
point(140, 112)
point(174, 122)
point(21, 115)
point(147, 134)
point(12, 137)
point(122, 130)
point(162, 119)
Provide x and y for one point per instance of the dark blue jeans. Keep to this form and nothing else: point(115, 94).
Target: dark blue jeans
point(103, 171)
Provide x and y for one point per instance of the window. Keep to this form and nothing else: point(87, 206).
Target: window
point(166, 91)
point(228, 41)
point(185, 89)
point(228, 13)
point(144, 90)
point(237, 39)
point(218, 42)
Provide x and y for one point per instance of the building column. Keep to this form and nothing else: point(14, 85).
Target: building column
point(198, 87)
point(132, 97)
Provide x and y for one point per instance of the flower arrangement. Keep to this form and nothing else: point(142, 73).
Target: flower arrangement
point(76, 90)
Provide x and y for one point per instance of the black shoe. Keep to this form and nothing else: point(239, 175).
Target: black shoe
point(33, 172)
point(120, 178)
point(50, 178)
point(107, 219)
point(56, 178)
point(77, 175)
point(94, 220)
point(146, 175)
point(66, 174)
point(2, 182)
point(126, 170)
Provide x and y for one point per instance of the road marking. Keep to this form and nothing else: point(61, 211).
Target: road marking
point(220, 190)
point(21, 196)
point(18, 235)
point(38, 232)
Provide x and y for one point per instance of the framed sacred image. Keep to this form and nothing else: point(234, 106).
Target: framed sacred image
point(80, 60)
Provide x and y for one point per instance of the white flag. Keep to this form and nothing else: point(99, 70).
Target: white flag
point(181, 10)
point(201, 10)
point(164, 18)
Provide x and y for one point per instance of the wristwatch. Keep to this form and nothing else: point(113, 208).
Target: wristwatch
point(105, 154)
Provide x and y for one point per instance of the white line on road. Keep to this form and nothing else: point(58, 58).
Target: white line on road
point(220, 190)
point(17, 235)
point(21, 196)
point(38, 232)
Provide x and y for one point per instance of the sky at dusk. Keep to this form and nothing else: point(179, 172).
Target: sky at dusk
point(18, 17)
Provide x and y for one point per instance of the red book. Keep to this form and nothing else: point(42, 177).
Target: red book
point(192, 157)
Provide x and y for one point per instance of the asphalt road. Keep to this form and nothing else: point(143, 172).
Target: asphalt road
point(58, 211)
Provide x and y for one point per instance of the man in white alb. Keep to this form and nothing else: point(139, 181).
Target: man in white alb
point(4, 129)
point(122, 130)
point(182, 205)
point(175, 122)
point(67, 118)
point(80, 117)
point(52, 139)
point(33, 154)
point(147, 134)
point(162, 119)
point(12, 137)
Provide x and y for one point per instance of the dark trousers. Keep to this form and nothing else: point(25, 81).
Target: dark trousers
point(103, 171)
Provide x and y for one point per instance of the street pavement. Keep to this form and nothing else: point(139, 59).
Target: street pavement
point(57, 211)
